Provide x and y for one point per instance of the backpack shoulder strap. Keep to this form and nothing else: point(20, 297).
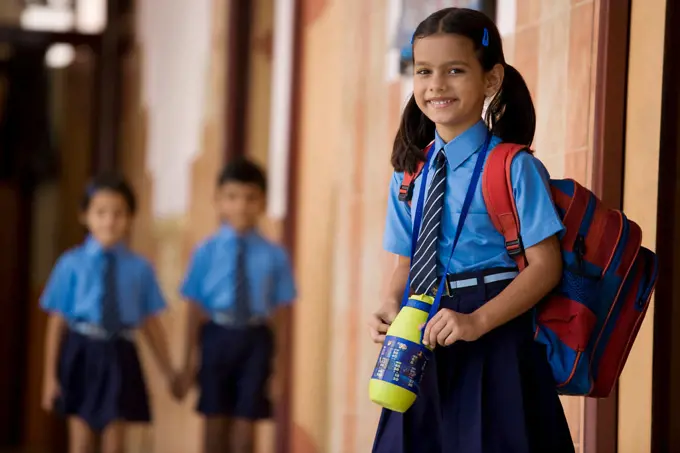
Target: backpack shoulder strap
point(499, 199)
point(406, 188)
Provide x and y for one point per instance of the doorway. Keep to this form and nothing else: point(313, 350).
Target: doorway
point(58, 124)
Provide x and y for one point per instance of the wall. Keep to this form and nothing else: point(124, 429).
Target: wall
point(350, 107)
point(645, 75)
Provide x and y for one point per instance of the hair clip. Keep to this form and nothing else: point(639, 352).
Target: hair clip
point(485, 39)
point(91, 190)
point(413, 37)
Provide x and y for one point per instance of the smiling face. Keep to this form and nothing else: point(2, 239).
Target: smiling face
point(240, 204)
point(450, 85)
point(107, 217)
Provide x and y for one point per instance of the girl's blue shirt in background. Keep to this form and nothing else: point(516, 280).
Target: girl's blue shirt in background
point(76, 285)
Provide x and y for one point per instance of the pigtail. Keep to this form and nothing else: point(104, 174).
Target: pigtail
point(415, 132)
point(511, 114)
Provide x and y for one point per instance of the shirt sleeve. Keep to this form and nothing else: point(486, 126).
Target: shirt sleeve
point(285, 290)
point(58, 293)
point(155, 301)
point(538, 217)
point(398, 228)
point(191, 288)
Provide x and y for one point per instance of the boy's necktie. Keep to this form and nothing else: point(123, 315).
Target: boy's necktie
point(242, 312)
point(424, 265)
point(110, 310)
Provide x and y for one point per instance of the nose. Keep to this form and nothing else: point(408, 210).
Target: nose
point(437, 83)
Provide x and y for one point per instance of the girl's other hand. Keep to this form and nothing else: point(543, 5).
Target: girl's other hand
point(381, 320)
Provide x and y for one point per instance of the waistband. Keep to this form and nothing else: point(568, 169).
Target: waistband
point(97, 332)
point(472, 280)
point(227, 320)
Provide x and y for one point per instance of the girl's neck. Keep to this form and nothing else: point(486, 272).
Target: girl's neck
point(448, 132)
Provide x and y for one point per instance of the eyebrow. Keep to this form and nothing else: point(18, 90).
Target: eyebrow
point(448, 63)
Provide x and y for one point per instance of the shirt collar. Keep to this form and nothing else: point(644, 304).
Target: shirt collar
point(462, 147)
point(93, 247)
point(227, 233)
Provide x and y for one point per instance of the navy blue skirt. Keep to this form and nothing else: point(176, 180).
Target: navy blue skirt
point(493, 395)
point(235, 371)
point(101, 381)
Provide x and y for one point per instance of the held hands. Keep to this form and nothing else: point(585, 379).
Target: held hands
point(380, 320)
point(181, 382)
point(448, 326)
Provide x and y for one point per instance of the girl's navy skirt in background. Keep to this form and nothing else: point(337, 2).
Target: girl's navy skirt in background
point(493, 395)
point(101, 381)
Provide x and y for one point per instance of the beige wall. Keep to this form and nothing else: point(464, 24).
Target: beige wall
point(643, 121)
point(343, 169)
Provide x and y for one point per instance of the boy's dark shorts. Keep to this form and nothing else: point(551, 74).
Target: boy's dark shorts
point(236, 363)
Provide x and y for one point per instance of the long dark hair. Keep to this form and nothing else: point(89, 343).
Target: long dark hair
point(510, 115)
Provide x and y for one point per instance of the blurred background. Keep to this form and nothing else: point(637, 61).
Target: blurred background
point(167, 90)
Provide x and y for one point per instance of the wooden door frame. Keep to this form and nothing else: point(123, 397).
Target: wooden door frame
point(666, 364)
point(107, 48)
point(601, 415)
point(240, 17)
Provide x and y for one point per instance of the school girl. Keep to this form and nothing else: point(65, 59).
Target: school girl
point(98, 294)
point(489, 387)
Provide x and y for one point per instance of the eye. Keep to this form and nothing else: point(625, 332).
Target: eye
point(456, 71)
point(422, 71)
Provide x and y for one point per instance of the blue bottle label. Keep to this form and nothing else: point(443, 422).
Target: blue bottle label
point(402, 363)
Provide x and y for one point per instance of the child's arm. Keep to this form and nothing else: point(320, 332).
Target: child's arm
point(280, 322)
point(541, 275)
point(56, 326)
point(381, 319)
point(196, 317)
point(396, 240)
point(153, 331)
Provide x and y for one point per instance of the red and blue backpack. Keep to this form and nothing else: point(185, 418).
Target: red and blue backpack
point(589, 321)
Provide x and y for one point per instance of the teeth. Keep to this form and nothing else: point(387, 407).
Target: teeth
point(440, 102)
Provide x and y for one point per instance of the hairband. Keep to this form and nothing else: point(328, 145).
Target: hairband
point(91, 190)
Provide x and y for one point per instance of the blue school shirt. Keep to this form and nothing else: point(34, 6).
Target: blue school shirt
point(76, 286)
point(480, 245)
point(211, 274)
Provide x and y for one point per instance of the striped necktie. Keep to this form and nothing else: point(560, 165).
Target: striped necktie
point(111, 322)
point(242, 312)
point(424, 266)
